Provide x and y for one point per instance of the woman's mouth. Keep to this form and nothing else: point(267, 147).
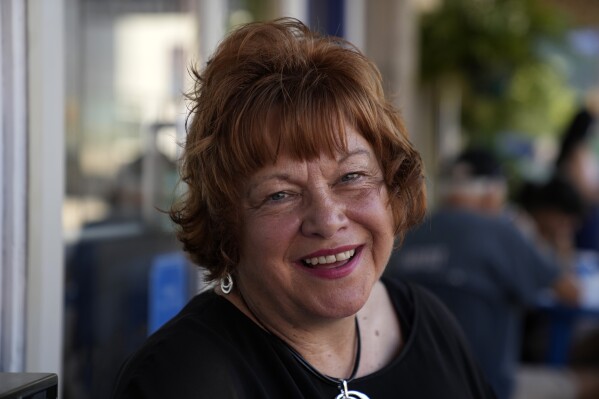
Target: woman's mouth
point(329, 259)
point(331, 266)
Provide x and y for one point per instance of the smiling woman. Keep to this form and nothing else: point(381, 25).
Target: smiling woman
point(300, 178)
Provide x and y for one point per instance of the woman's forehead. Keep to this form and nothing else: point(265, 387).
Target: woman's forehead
point(349, 141)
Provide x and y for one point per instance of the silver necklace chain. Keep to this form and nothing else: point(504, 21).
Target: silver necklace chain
point(341, 383)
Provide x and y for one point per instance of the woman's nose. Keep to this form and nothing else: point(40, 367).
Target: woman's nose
point(324, 216)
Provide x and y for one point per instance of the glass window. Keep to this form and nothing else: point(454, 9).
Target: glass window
point(127, 68)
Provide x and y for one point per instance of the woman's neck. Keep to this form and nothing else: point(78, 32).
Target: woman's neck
point(381, 332)
point(330, 345)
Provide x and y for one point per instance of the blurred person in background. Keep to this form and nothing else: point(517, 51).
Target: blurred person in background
point(479, 264)
point(300, 177)
point(557, 210)
point(578, 163)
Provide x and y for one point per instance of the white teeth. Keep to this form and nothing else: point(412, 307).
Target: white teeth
point(342, 256)
point(323, 260)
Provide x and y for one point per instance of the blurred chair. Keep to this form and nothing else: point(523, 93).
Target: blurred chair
point(170, 288)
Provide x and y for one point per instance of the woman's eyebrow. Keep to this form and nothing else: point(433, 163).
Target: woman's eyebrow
point(356, 152)
point(267, 177)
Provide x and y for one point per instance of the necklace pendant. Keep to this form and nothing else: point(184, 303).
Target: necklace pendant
point(345, 394)
point(351, 395)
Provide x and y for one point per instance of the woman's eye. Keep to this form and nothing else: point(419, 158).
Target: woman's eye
point(277, 196)
point(350, 176)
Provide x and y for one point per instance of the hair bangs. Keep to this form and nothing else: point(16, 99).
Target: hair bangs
point(304, 127)
point(310, 127)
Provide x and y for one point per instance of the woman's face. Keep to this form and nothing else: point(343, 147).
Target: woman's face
point(316, 234)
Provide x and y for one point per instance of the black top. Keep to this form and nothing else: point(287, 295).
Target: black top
point(212, 350)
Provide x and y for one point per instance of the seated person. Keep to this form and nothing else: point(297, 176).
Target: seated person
point(556, 210)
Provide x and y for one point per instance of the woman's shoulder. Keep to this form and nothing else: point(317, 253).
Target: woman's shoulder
point(205, 316)
point(407, 295)
point(426, 320)
point(427, 323)
point(416, 305)
point(199, 341)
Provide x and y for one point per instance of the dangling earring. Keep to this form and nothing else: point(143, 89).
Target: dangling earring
point(226, 283)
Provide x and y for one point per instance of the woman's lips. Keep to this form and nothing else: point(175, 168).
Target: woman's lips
point(332, 269)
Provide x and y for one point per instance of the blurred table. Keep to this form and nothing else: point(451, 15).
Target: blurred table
point(28, 386)
point(564, 319)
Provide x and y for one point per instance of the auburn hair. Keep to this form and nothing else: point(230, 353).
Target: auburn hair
point(278, 85)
